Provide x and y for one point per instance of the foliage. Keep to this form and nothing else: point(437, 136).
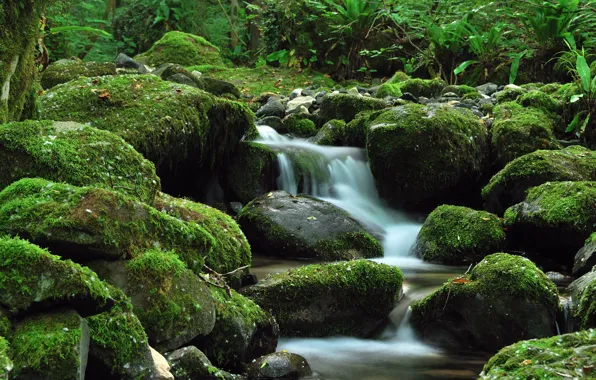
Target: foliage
point(582, 124)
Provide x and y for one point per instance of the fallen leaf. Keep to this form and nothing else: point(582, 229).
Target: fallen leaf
point(461, 281)
point(526, 362)
point(486, 219)
point(104, 95)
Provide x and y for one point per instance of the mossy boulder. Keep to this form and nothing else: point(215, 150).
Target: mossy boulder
point(280, 224)
point(585, 259)
point(300, 125)
point(252, 172)
point(181, 48)
point(51, 345)
point(279, 365)
point(510, 185)
point(422, 155)
point(585, 312)
point(554, 220)
point(243, 331)
point(509, 94)
point(563, 356)
point(31, 276)
point(6, 364)
point(332, 133)
point(19, 36)
point(172, 303)
point(388, 89)
point(76, 154)
point(356, 130)
point(457, 235)
point(66, 70)
point(230, 250)
point(174, 126)
point(540, 100)
point(346, 298)
point(519, 130)
point(189, 363)
point(423, 87)
point(86, 223)
point(461, 91)
point(504, 299)
point(345, 107)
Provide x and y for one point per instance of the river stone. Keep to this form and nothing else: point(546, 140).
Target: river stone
point(554, 220)
point(125, 62)
point(576, 291)
point(280, 224)
point(273, 107)
point(171, 302)
point(52, 345)
point(189, 363)
point(585, 259)
point(346, 298)
point(279, 365)
point(504, 299)
point(294, 104)
point(345, 107)
point(161, 368)
point(563, 356)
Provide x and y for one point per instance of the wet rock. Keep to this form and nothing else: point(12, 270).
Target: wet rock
point(487, 88)
point(332, 133)
point(504, 299)
point(585, 259)
point(273, 107)
point(583, 293)
point(273, 122)
point(280, 224)
point(279, 365)
point(345, 298)
point(161, 368)
point(189, 363)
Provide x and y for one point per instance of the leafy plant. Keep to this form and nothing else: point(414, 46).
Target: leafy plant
point(580, 125)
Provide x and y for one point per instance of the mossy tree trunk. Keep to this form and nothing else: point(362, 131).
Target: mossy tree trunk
point(19, 34)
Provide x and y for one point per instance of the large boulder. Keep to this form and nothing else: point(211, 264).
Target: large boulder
point(279, 365)
point(345, 107)
point(422, 155)
point(510, 185)
point(346, 298)
point(230, 250)
point(585, 258)
point(519, 130)
point(504, 299)
point(179, 128)
point(66, 70)
point(86, 223)
point(172, 303)
point(332, 133)
point(554, 220)
point(280, 224)
point(457, 235)
point(76, 154)
point(181, 48)
point(563, 356)
point(243, 331)
point(52, 345)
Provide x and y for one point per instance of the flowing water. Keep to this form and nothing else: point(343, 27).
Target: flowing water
point(341, 175)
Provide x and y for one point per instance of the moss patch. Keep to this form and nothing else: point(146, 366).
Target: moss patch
point(252, 171)
point(66, 70)
point(422, 87)
point(357, 129)
point(388, 89)
point(346, 107)
point(586, 309)
point(181, 48)
point(542, 101)
point(332, 133)
point(300, 125)
point(6, 365)
point(77, 154)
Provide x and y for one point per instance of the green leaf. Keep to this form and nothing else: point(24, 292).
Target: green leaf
point(515, 66)
point(264, 364)
point(573, 125)
point(583, 71)
point(461, 68)
point(61, 29)
point(575, 98)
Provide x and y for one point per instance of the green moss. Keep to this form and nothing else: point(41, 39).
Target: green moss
point(168, 123)
point(398, 77)
point(300, 125)
point(388, 89)
point(332, 133)
point(510, 94)
point(183, 49)
point(230, 251)
point(465, 90)
point(541, 101)
point(251, 171)
point(550, 358)
point(586, 308)
point(566, 91)
point(4, 325)
point(487, 108)
point(457, 235)
point(550, 88)
point(518, 130)
point(418, 152)
point(509, 186)
point(423, 87)
point(77, 154)
point(6, 364)
point(23, 264)
point(351, 294)
point(356, 130)
point(87, 223)
point(346, 107)
point(66, 70)
point(47, 344)
point(472, 96)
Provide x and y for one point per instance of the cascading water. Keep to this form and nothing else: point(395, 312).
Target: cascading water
point(341, 175)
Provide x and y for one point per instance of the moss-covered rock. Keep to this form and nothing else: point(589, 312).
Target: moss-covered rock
point(332, 133)
point(66, 70)
point(19, 36)
point(554, 220)
point(420, 155)
point(347, 298)
point(504, 299)
point(509, 186)
point(585, 313)
point(398, 77)
point(86, 223)
point(458, 235)
point(461, 90)
point(252, 172)
point(279, 365)
point(563, 356)
point(356, 130)
point(518, 130)
point(76, 154)
point(172, 303)
point(172, 125)
point(423, 87)
point(509, 94)
point(182, 48)
point(542, 101)
point(189, 363)
point(6, 364)
point(306, 227)
point(32, 276)
point(585, 259)
point(243, 331)
point(388, 89)
point(51, 345)
point(300, 125)
point(346, 107)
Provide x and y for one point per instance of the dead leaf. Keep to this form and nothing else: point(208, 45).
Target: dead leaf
point(461, 280)
point(526, 362)
point(486, 219)
point(104, 95)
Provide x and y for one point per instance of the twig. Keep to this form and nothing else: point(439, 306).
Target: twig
point(231, 24)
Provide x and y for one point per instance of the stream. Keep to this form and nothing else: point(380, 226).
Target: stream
point(341, 175)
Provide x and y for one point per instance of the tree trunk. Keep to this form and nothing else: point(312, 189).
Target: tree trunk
point(234, 9)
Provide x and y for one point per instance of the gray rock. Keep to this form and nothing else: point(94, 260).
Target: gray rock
point(487, 89)
point(182, 79)
point(296, 93)
point(353, 91)
point(125, 62)
point(273, 107)
point(585, 259)
point(279, 365)
point(273, 122)
point(409, 97)
point(301, 101)
point(308, 92)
